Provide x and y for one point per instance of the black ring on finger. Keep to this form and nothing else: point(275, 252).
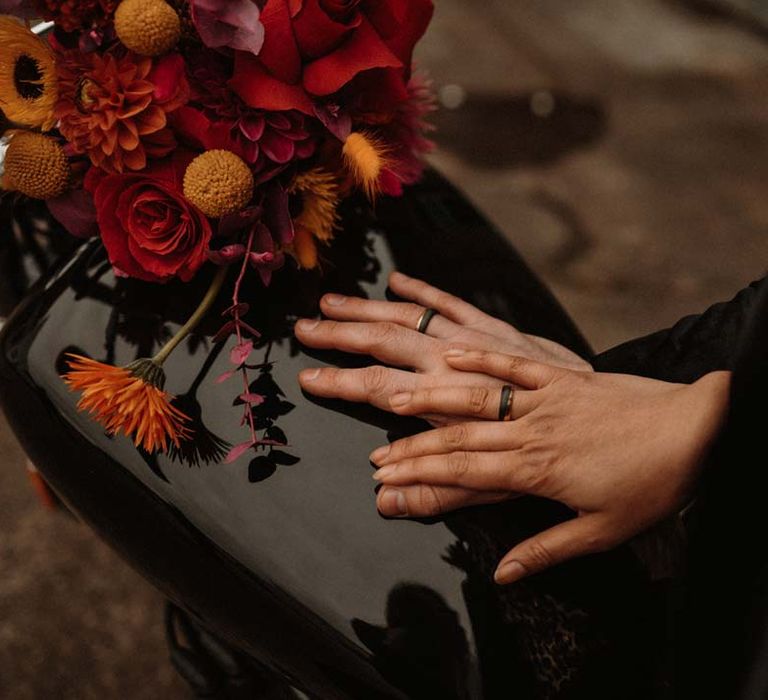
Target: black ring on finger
point(425, 319)
point(505, 405)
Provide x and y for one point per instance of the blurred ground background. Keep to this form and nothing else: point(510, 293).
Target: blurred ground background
point(622, 146)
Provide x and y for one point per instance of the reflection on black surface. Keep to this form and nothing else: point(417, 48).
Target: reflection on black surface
point(266, 416)
point(205, 447)
point(423, 649)
point(30, 247)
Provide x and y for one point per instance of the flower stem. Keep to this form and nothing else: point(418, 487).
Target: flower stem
point(195, 318)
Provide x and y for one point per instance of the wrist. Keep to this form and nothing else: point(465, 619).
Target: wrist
point(711, 394)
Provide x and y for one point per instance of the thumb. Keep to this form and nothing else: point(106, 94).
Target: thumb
point(573, 538)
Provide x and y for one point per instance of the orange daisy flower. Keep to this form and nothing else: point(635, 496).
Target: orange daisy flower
point(129, 400)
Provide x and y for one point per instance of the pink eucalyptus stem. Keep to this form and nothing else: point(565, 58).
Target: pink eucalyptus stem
point(236, 305)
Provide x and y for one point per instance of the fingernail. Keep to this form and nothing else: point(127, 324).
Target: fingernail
point(383, 473)
point(309, 375)
point(379, 454)
point(509, 572)
point(334, 299)
point(455, 353)
point(393, 503)
point(400, 399)
point(307, 324)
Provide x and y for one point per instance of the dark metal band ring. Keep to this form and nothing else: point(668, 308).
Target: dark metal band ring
point(505, 405)
point(425, 319)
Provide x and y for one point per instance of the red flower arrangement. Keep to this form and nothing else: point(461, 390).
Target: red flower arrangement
point(221, 132)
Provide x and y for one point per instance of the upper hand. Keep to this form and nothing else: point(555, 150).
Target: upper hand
point(621, 451)
point(387, 331)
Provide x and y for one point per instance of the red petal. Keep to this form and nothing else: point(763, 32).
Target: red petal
point(279, 54)
point(261, 90)
point(316, 33)
point(362, 51)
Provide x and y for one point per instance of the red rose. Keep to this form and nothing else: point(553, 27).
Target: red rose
point(313, 48)
point(149, 229)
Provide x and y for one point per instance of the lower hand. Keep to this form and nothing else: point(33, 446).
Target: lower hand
point(621, 451)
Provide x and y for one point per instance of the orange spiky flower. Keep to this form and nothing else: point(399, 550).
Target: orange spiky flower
point(365, 158)
point(129, 400)
point(319, 218)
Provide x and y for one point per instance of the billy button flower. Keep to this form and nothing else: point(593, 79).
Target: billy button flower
point(35, 165)
point(218, 183)
point(28, 90)
point(148, 27)
point(131, 400)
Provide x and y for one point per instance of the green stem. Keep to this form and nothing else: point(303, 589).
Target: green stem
point(194, 319)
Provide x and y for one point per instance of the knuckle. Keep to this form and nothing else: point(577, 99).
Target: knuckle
point(540, 555)
point(383, 333)
point(479, 397)
point(532, 477)
point(455, 435)
point(459, 464)
point(374, 380)
point(400, 450)
point(429, 501)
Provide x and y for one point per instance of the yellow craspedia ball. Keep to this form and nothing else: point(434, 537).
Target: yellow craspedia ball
point(36, 166)
point(148, 27)
point(218, 183)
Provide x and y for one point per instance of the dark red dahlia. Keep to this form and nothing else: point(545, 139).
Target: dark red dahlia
point(217, 118)
point(73, 15)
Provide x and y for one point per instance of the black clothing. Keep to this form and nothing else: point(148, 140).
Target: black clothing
point(722, 644)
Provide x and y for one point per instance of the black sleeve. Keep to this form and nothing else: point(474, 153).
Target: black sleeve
point(724, 635)
point(690, 349)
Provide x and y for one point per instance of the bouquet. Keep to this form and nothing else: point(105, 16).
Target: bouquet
point(188, 133)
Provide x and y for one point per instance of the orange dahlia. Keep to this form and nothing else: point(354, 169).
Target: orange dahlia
point(114, 107)
point(129, 400)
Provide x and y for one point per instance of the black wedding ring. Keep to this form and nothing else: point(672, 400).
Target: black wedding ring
point(505, 405)
point(425, 319)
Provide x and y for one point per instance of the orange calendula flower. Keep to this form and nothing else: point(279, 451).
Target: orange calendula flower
point(129, 400)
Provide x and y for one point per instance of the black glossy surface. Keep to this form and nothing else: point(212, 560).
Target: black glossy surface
point(30, 247)
point(293, 564)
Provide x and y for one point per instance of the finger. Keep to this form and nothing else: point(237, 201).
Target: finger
point(482, 471)
point(426, 501)
point(341, 308)
point(445, 304)
point(471, 401)
point(471, 437)
point(372, 385)
point(387, 342)
point(574, 538)
point(517, 370)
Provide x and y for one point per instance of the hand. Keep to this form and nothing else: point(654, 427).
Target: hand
point(621, 451)
point(387, 331)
